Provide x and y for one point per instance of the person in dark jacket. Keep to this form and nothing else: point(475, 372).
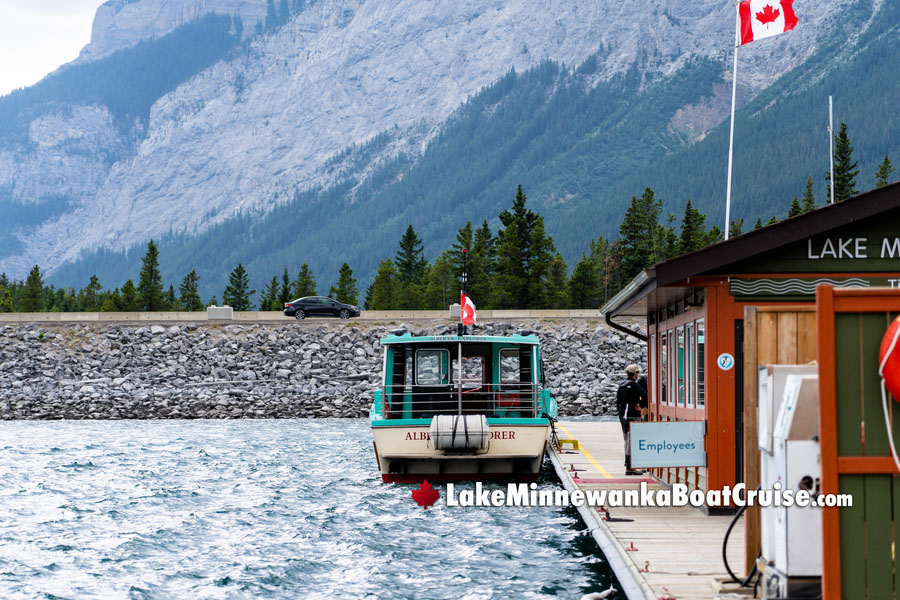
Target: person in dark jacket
point(631, 399)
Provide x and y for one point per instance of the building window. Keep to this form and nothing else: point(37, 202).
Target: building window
point(651, 363)
point(663, 369)
point(690, 361)
point(673, 360)
point(701, 364)
point(679, 367)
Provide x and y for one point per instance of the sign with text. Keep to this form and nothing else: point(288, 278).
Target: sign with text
point(669, 444)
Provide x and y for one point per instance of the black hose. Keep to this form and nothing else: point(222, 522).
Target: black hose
point(737, 516)
point(734, 577)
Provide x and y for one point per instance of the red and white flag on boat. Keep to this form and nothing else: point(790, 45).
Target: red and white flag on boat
point(467, 310)
point(765, 18)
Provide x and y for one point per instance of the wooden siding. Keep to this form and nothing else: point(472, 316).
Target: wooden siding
point(858, 542)
point(784, 335)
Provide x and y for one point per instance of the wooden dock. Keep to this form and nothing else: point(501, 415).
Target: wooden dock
point(658, 553)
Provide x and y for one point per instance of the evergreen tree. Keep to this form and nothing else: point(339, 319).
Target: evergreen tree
point(33, 293)
point(809, 199)
point(693, 230)
point(480, 265)
point(6, 305)
point(237, 294)
point(796, 208)
point(411, 266)
point(89, 297)
point(845, 170)
point(441, 287)
point(714, 235)
point(583, 284)
point(284, 294)
point(150, 286)
point(557, 289)
point(190, 294)
point(269, 300)
point(112, 302)
point(772, 221)
point(345, 291)
point(639, 235)
point(385, 290)
point(130, 299)
point(758, 224)
point(213, 301)
point(305, 284)
point(737, 227)
point(606, 262)
point(524, 253)
point(171, 300)
point(883, 175)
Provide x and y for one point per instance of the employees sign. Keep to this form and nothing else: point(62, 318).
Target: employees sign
point(670, 444)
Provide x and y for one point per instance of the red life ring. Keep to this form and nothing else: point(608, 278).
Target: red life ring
point(889, 359)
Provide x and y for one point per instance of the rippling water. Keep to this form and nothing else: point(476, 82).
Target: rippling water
point(257, 509)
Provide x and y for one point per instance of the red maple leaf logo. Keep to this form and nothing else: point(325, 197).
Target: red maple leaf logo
point(425, 496)
point(768, 15)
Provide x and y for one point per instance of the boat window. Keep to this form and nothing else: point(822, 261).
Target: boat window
point(509, 365)
point(473, 371)
point(430, 367)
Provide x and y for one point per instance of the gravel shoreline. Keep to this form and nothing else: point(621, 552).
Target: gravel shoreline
point(308, 369)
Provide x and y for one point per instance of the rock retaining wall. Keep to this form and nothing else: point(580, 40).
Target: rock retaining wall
point(309, 369)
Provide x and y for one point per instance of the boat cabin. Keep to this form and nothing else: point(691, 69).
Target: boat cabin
point(501, 377)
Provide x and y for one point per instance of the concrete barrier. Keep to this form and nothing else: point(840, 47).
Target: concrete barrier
point(220, 314)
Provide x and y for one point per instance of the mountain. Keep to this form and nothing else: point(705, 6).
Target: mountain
point(319, 135)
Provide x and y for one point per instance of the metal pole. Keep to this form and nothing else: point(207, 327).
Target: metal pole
point(831, 144)
point(459, 379)
point(737, 42)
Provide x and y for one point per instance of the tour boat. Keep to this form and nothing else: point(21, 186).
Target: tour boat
point(433, 421)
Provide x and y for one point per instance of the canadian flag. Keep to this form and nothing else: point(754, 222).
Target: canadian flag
point(765, 18)
point(467, 310)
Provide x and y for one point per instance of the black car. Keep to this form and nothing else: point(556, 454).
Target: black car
point(319, 306)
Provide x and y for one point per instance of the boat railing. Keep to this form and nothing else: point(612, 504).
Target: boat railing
point(509, 400)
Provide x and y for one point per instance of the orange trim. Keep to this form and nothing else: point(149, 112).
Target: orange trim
point(858, 465)
point(831, 532)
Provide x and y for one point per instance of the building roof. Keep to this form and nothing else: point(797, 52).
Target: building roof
point(718, 258)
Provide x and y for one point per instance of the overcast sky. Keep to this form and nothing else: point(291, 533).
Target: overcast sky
point(36, 36)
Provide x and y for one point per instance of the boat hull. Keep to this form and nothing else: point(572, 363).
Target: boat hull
point(405, 454)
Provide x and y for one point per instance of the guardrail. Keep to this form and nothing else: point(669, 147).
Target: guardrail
point(521, 400)
point(252, 316)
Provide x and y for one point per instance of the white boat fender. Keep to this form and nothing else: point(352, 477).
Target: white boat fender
point(600, 595)
point(460, 433)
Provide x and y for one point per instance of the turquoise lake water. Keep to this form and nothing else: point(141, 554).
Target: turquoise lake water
point(258, 509)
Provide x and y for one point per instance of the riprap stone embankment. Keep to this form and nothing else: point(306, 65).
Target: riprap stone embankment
point(308, 369)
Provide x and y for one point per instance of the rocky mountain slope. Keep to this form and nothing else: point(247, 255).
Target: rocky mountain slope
point(269, 122)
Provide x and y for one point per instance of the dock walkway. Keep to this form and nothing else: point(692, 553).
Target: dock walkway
point(658, 553)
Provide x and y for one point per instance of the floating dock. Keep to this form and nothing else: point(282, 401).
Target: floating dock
point(658, 553)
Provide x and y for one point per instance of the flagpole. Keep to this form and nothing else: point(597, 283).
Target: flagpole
point(737, 40)
point(830, 144)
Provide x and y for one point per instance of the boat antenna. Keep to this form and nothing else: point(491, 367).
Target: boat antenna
point(461, 327)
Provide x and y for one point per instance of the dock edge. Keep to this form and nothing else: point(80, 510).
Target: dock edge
point(631, 580)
